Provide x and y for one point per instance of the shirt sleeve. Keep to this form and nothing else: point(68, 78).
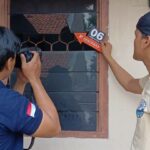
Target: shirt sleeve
point(143, 81)
point(22, 115)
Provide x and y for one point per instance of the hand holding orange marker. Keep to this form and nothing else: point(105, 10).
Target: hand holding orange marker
point(92, 39)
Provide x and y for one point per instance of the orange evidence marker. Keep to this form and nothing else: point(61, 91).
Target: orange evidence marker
point(83, 38)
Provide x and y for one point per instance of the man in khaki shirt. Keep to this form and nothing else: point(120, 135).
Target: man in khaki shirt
point(141, 140)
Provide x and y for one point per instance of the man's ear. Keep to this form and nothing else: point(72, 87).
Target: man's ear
point(146, 41)
point(10, 64)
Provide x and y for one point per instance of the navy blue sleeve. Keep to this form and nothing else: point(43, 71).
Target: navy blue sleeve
point(21, 115)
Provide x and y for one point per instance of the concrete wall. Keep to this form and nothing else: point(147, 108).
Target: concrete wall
point(123, 15)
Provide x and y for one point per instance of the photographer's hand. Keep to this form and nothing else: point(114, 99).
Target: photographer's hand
point(31, 69)
point(24, 74)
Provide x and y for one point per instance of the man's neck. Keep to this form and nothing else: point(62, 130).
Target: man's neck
point(4, 78)
point(147, 64)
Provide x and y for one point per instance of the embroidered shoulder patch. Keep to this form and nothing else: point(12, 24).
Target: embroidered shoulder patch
point(140, 109)
point(31, 109)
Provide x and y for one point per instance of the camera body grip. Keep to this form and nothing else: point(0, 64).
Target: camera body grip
point(27, 53)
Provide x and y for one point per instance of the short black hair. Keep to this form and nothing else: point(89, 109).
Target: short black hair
point(9, 46)
point(143, 24)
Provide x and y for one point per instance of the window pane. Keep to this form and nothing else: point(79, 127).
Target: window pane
point(51, 6)
point(52, 23)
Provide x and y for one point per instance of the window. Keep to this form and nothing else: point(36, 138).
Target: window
point(74, 75)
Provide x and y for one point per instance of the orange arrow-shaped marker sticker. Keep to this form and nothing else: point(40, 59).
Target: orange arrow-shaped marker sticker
point(83, 38)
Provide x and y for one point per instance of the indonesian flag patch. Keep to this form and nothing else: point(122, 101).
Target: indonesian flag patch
point(31, 109)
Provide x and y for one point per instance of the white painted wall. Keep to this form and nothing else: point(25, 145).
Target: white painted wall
point(123, 15)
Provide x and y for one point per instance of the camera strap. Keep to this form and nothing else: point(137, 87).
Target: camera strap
point(33, 138)
point(31, 144)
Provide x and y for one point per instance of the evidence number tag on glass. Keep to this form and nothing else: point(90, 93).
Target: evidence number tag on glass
point(96, 35)
point(92, 39)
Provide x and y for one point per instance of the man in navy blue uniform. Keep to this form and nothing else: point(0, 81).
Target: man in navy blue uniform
point(18, 115)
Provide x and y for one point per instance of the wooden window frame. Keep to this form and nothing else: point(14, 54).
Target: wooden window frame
point(102, 100)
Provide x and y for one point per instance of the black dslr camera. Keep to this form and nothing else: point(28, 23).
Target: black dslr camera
point(27, 53)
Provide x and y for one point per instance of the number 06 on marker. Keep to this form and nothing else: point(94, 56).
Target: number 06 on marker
point(92, 39)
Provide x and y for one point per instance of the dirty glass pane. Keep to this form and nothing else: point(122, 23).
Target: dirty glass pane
point(52, 23)
point(50, 17)
point(51, 6)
